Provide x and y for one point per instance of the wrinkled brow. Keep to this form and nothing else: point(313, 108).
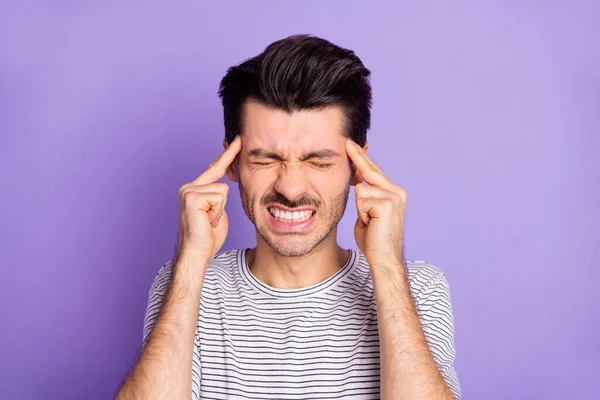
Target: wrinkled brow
point(320, 154)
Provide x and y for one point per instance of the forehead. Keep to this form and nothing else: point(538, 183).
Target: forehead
point(297, 131)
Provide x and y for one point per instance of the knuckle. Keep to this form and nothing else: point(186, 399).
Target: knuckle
point(396, 198)
point(402, 199)
point(192, 196)
point(182, 190)
point(360, 189)
point(223, 187)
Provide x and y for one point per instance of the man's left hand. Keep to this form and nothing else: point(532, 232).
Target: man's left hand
point(379, 228)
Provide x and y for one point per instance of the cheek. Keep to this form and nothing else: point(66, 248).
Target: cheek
point(257, 181)
point(329, 184)
point(252, 174)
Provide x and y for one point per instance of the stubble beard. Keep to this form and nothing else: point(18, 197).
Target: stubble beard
point(292, 244)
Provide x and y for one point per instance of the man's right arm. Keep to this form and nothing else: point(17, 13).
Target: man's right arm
point(164, 369)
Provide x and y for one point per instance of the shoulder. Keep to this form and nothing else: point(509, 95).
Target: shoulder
point(220, 263)
point(422, 274)
point(225, 259)
point(423, 277)
point(162, 278)
point(223, 267)
point(428, 285)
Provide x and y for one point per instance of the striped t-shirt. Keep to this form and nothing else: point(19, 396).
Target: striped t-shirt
point(254, 341)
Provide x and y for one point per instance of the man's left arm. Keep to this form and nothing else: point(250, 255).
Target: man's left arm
point(408, 369)
point(416, 334)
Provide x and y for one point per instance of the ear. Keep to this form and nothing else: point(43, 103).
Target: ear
point(232, 170)
point(356, 177)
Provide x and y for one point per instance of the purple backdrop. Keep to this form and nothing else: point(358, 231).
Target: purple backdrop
point(488, 114)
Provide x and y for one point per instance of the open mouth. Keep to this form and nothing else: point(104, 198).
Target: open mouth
point(291, 216)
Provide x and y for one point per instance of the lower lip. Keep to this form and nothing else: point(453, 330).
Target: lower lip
point(291, 226)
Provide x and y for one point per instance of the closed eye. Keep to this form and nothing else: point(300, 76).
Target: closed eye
point(261, 164)
point(314, 164)
point(321, 165)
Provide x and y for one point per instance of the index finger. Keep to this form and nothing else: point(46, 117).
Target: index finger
point(216, 170)
point(370, 172)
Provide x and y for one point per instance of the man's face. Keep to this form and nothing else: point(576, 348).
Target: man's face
point(294, 176)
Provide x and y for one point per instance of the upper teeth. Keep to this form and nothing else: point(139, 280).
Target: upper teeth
point(296, 215)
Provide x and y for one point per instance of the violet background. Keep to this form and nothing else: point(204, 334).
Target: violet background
point(486, 112)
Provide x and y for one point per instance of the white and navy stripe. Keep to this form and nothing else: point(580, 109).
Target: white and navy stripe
point(254, 341)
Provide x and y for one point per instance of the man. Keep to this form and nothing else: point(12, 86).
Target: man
point(296, 317)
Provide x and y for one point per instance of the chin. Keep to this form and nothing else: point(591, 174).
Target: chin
point(291, 251)
point(291, 245)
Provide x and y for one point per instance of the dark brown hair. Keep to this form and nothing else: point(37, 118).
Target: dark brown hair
point(296, 73)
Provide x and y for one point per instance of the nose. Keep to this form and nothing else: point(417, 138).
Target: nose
point(291, 182)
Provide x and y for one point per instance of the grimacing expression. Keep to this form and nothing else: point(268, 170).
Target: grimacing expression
point(294, 175)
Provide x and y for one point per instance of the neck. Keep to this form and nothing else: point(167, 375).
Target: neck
point(296, 272)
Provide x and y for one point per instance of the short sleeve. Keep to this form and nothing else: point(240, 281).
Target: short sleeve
point(155, 301)
point(196, 370)
point(434, 308)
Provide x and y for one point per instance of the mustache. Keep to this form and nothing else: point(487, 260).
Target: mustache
point(277, 197)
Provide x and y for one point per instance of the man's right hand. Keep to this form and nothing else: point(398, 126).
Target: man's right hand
point(164, 369)
point(203, 221)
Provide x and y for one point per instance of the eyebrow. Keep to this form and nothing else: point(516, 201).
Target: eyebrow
point(320, 154)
